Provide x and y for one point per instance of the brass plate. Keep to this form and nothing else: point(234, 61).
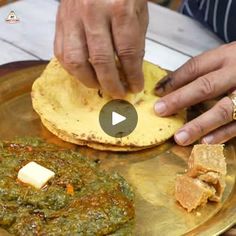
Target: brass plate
point(152, 172)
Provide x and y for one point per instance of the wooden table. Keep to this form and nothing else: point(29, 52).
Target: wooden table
point(171, 38)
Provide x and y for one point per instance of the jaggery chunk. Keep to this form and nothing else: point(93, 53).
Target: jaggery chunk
point(215, 180)
point(204, 179)
point(191, 192)
point(206, 158)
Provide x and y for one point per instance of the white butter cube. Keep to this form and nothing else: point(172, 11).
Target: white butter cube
point(35, 175)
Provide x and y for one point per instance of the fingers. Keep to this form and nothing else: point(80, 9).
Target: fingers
point(101, 53)
point(128, 36)
point(205, 87)
point(90, 33)
point(192, 69)
point(143, 20)
point(71, 49)
point(76, 55)
point(58, 40)
point(216, 117)
point(221, 135)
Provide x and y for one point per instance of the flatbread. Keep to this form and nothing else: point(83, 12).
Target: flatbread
point(94, 145)
point(71, 111)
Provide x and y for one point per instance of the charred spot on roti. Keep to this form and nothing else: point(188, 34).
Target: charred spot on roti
point(118, 142)
point(100, 93)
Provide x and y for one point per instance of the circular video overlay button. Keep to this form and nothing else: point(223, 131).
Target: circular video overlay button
point(118, 118)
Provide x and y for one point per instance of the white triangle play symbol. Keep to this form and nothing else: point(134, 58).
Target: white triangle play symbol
point(117, 118)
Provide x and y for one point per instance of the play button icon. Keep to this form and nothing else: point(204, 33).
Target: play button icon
point(118, 118)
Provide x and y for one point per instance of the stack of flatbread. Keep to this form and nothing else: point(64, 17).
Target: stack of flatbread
point(71, 111)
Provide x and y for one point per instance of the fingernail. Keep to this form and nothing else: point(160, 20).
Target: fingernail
point(159, 89)
point(160, 86)
point(208, 139)
point(182, 137)
point(160, 107)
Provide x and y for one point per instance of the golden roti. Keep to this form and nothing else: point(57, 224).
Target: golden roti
point(94, 145)
point(71, 111)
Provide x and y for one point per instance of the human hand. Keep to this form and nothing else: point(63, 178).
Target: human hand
point(89, 33)
point(204, 77)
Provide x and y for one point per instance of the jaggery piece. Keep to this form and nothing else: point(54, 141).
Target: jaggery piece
point(191, 192)
point(217, 181)
point(205, 178)
point(219, 187)
point(210, 177)
point(206, 158)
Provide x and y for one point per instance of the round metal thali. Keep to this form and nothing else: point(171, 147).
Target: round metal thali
point(151, 172)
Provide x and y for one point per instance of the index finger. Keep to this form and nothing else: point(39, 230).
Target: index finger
point(205, 87)
point(128, 36)
point(192, 69)
point(101, 52)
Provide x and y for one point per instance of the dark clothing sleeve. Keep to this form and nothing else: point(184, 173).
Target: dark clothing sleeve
point(218, 15)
